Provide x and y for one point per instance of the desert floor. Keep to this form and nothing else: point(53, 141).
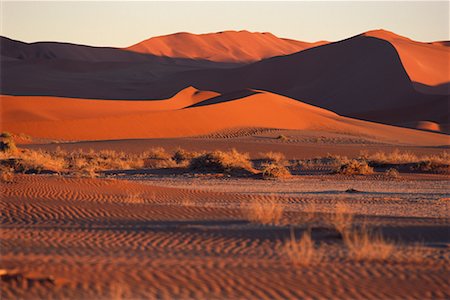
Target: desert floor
point(189, 237)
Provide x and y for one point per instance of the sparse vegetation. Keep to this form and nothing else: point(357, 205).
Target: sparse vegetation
point(232, 162)
point(342, 218)
point(274, 170)
point(392, 173)
point(182, 156)
point(355, 167)
point(268, 212)
point(302, 252)
point(5, 134)
point(366, 245)
point(6, 175)
point(8, 146)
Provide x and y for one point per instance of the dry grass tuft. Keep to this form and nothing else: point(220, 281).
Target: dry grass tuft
point(182, 157)
point(274, 170)
point(232, 162)
point(268, 212)
point(392, 173)
point(274, 157)
point(302, 252)
point(365, 245)
point(6, 175)
point(355, 167)
point(342, 218)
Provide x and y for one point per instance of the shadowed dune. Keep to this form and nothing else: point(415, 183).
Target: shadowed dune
point(362, 77)
point(72, 119)
point(227, 46)
point(426, 63)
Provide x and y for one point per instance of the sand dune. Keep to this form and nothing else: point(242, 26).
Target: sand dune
point(226, 46)
point(71, 119)
point(425, 63)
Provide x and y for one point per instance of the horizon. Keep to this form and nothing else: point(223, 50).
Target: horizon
point(123, 24)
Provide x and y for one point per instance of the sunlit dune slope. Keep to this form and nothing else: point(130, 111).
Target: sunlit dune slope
point(227, 46)
point(426, 63)
point(258, 109)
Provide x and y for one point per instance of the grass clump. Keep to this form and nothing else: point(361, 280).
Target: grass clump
point(8, 146)
point(232, 163)
point(392, 173)
point(268, 212)
point(182, 156)
point(366, 245)
point(355, 167)
point(274, 171)
point(6, 175)
point(302, 252)
point(342, 218)
point(6, 134)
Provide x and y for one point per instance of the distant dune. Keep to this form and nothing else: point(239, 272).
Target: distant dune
point(72, 119)
point(376, 76)
point(226, 46)
point(426, 63)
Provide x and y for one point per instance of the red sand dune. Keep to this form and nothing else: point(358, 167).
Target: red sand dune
point(226, 46)
point(72, 119)
point(426, 63)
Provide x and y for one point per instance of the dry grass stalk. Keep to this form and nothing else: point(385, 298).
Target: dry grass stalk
point(342, 218)
point(268, 212)
point(365, 245)
point(302, 252)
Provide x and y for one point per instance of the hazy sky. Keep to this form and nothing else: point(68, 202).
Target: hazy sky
point(123, 23)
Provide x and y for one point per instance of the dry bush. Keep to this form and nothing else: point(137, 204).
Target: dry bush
point(158, 158)
point(393, 157)
point(6, 135)
point(302, 252)
point(232, 162)
point(274, 170)
point(329, 161)
point(392, 173)
point(283, 138)
point(182, 156)
point(365, 245)
point(268, 212)
point(355, 167)
point(342, 218)
point(6, 175)
point(431, 167)
point(8, 146)
point(39, 161)
point(274, 157)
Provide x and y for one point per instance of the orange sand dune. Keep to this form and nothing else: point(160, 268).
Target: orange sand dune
point(227, 46)
point(426, 63)
point(69, 119)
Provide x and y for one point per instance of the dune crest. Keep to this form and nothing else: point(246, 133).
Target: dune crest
point(426, 63)
point(67, 119)
point(226, 46)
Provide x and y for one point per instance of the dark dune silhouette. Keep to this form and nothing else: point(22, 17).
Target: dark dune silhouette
point(361, 77)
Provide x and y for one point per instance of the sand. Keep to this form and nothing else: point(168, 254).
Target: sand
point(227, 46)
point(186, 115)
point(426, 63)
point(113, 239)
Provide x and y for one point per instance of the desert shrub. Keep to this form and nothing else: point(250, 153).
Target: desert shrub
point(392, 173)
point(355, 167)
point(274, 157)
point(6, 134)
point(265, 211)
point(39, 161)
point(302, 252)
point(9, 146)
point(182, 156)
point(274, 170)
point(232, 162)
point(366, 245)
point(158, 158)
point(431, 167)
point(282, 138)
point(6, 174)
point(342, 218)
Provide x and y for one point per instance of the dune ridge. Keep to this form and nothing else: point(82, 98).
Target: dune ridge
point(227, 46)
point(71, 119)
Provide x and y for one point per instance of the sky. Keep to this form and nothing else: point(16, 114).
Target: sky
point(124, 23)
